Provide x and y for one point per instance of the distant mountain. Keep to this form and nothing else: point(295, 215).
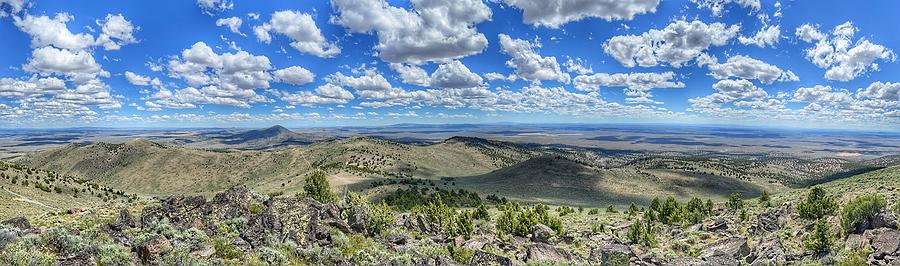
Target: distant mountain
point(272, 137)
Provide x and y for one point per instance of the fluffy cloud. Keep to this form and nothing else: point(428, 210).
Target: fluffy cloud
point(822, 95)
point(139, 80)
point(294, 75)
point(49, 60)
point(529, 64)
point(637, 85)
point(46, 31)
point(116, 31)
point(578, 66)
point(8, 7)
point(843, 58)
point(767, 36)
point(454, 75)
point(225, 79)
point(889, 91)
point(233, 24)
point(555, 13)
point(746, 67)
point(411, 74)
point(211, 7)
point(301, 29)
point(676, 44)
point(718, 6)
point(433, 30)
point(325, 94)
point(31, 87)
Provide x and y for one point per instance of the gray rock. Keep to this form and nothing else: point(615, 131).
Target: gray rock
point(886, 243)
point(612, 254)
point(541, 252)
point(20, 223)
point(152, 248)
point(884, 220)
point(541, 233)
point(716, 226)
point(733, 247)
point(484, 258)
point(397, 239)
point(770, 252)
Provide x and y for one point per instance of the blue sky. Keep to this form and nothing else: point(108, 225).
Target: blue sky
point(372, 62)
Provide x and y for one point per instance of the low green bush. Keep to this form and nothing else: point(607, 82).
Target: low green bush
point(317, 188)
point(519, 220)
point(859, 209)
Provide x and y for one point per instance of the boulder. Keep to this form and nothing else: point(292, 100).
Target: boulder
point(716, 226)
point(886, 243)
point(476, 243)
point(541, 233)
point(735, 248)
point(768, 221)
point(541, 252)
point(770, 252)
point(396, 239)
point(153, 247)
point(181, 211)
point(77, 259)
point(358, 219)
point(612, 255)
point(125, 219)
point(484, 258)
point(20, 223)
point(884, 219)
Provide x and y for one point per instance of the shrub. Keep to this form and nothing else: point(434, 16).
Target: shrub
point(820, 241)
point(15, 256)
point(735, 201)
point(695, 211)
point(642, 232)
point(859, 209)
point(670, 212)
point(519, 220)
point(59, 239)
point(225, 249)
point(481, 213)
point(765, 199)
point(593, 212)
point(460, 254)
point(564, 210)
point(611, 209)
point(380, 215)
point(317, 188)
point(817, 204)
point(113, 255)
point(447, 219)
point(632, 210)
point(270, 256)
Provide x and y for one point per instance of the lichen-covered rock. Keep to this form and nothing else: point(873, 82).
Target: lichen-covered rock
point(541, 233)
point(886, 243)
point(770, 252)
point(541, 252)
point(484, 258)
point(152, 248)
point(726, 251)
point(20, 223)
point(612, 254)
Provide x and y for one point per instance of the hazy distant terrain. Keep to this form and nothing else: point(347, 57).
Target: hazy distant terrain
point(235, 195)
point(804, 143)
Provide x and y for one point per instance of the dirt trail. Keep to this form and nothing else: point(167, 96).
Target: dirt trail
point(26, 199)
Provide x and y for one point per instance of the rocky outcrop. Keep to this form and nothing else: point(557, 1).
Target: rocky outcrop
point(612, 255)
point(541, 252)
point(729, 251)
point(886, 244)
point(541, 233)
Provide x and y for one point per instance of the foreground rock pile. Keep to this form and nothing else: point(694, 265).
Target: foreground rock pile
point(240, 227)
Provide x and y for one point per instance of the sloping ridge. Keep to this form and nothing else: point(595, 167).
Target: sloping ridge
point(146, 167)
